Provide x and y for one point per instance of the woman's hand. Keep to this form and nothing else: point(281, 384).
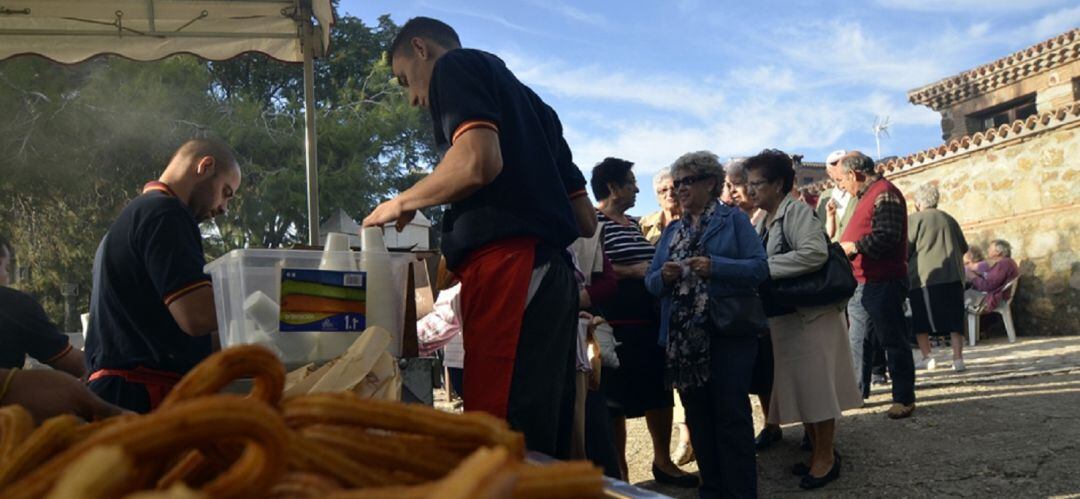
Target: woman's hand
point(700, 265)
point(670, 272)
point(830, 208)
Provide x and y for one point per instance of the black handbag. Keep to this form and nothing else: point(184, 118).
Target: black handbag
point(737, 314)
point(832, 283)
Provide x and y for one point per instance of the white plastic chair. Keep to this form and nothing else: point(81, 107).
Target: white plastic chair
point(1004, 308)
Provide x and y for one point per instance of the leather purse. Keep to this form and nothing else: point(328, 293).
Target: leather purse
point(737, 315)
point(832, 283)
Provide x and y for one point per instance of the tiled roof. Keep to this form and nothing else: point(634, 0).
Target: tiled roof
point(970, 143)
point(1033, 60)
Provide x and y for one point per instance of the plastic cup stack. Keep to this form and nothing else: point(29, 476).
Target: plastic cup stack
point(337, 255)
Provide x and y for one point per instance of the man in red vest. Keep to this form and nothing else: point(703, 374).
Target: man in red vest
point(876, 241)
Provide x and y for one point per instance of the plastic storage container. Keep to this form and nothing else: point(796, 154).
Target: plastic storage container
point(247, 286)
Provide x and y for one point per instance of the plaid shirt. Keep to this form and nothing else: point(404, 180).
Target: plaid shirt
point(886, 224)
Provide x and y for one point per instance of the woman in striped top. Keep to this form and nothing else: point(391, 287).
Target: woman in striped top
point(637, 387)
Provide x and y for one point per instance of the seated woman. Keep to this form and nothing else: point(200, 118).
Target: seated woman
point(987, 286)
point(710, 252)
point(814, 379)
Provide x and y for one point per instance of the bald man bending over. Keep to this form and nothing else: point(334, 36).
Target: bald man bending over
point(152, 307)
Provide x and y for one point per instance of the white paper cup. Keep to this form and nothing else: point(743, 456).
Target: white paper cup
point(263, 310)
point(85, 323)
point(371, 239)
point(336, 241)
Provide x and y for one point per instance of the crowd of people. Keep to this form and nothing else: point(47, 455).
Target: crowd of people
point(707, 298)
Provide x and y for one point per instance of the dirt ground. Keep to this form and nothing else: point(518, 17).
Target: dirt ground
point(1008, 427)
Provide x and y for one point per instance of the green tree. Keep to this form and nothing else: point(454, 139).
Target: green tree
point(78, 142)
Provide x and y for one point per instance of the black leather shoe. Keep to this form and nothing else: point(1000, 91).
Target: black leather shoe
point(810, 482)
point(768, 437)
point(687, 481)
point(800, 469)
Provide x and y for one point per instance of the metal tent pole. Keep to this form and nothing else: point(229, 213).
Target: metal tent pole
point(310, 145)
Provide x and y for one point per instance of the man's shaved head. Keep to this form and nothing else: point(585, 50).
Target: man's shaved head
point(195, 149)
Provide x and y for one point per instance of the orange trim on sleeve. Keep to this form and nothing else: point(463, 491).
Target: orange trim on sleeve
point(473, 124)
point(176, 295)
point(578, 193)
point(62, 353)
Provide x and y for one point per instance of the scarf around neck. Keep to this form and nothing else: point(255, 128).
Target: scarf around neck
point(688, 337)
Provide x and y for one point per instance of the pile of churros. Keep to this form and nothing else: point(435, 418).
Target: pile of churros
point(204, 444)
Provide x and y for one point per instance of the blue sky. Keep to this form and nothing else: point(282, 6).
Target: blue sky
point(648, 81)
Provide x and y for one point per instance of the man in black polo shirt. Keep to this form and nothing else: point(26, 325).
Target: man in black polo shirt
point(26, 330)
point(152, 308)
point(517, 201)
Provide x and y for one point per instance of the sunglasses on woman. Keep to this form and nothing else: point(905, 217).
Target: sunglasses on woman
point(691, 180)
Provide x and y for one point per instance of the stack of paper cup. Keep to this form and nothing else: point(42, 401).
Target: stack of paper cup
point(375, 261)
point(371, 239)
point(336, 254)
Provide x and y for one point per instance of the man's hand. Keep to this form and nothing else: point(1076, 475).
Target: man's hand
point(47, 393)
point(700, 265)
point(830, 207)
point(390, 211)
point(850, 249)
point(670, 272)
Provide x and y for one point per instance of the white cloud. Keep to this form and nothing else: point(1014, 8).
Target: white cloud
point(967, 5)
point(486, 16)
point(663, 92)
point(1056, 23)
point(572, 12)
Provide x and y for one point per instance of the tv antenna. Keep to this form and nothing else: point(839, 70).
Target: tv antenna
point(881, 129)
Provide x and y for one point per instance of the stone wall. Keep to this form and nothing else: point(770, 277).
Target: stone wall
point(1024, 189)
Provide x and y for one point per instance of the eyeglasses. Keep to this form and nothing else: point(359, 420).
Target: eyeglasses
point(757, 184)
point(691, 180)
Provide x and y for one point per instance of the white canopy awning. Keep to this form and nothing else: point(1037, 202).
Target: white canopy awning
point(71, 31)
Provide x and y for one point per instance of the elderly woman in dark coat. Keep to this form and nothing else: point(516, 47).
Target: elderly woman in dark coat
point(710, 252)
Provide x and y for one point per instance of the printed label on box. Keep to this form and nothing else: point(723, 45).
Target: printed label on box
point(323, 300)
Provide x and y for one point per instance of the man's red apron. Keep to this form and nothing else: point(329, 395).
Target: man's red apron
point(158, 384)
point(494, 290)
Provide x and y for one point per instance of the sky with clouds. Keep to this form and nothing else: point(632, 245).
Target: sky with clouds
point(649, 81)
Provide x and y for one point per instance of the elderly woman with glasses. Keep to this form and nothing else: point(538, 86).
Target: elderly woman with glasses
point(814, 380)
point(735, 195)
point(712, 251)
point(654, 224)
point(636, 388)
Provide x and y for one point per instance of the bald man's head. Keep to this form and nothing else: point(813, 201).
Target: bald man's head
point(207, 173)
point(195, 149)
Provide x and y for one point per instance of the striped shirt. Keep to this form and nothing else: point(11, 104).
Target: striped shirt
point(625, 244)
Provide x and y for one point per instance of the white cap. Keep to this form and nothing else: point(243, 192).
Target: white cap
point(835, 156)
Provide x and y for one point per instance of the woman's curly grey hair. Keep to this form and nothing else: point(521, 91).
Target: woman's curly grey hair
point(736, 168)
point(701, 163)
point(1003, 247)
point(927, 196)
point(659, 179)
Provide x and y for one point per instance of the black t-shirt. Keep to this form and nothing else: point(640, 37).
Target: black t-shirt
point(151, 256)
point(531, 196)
point(26, 330)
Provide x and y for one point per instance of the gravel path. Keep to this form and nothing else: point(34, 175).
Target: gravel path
point(1008, 427)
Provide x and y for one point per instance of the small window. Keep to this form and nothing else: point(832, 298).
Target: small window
point(1004, 114)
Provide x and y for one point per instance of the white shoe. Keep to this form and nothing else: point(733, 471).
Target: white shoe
point(927, 363)
point(958, 365)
